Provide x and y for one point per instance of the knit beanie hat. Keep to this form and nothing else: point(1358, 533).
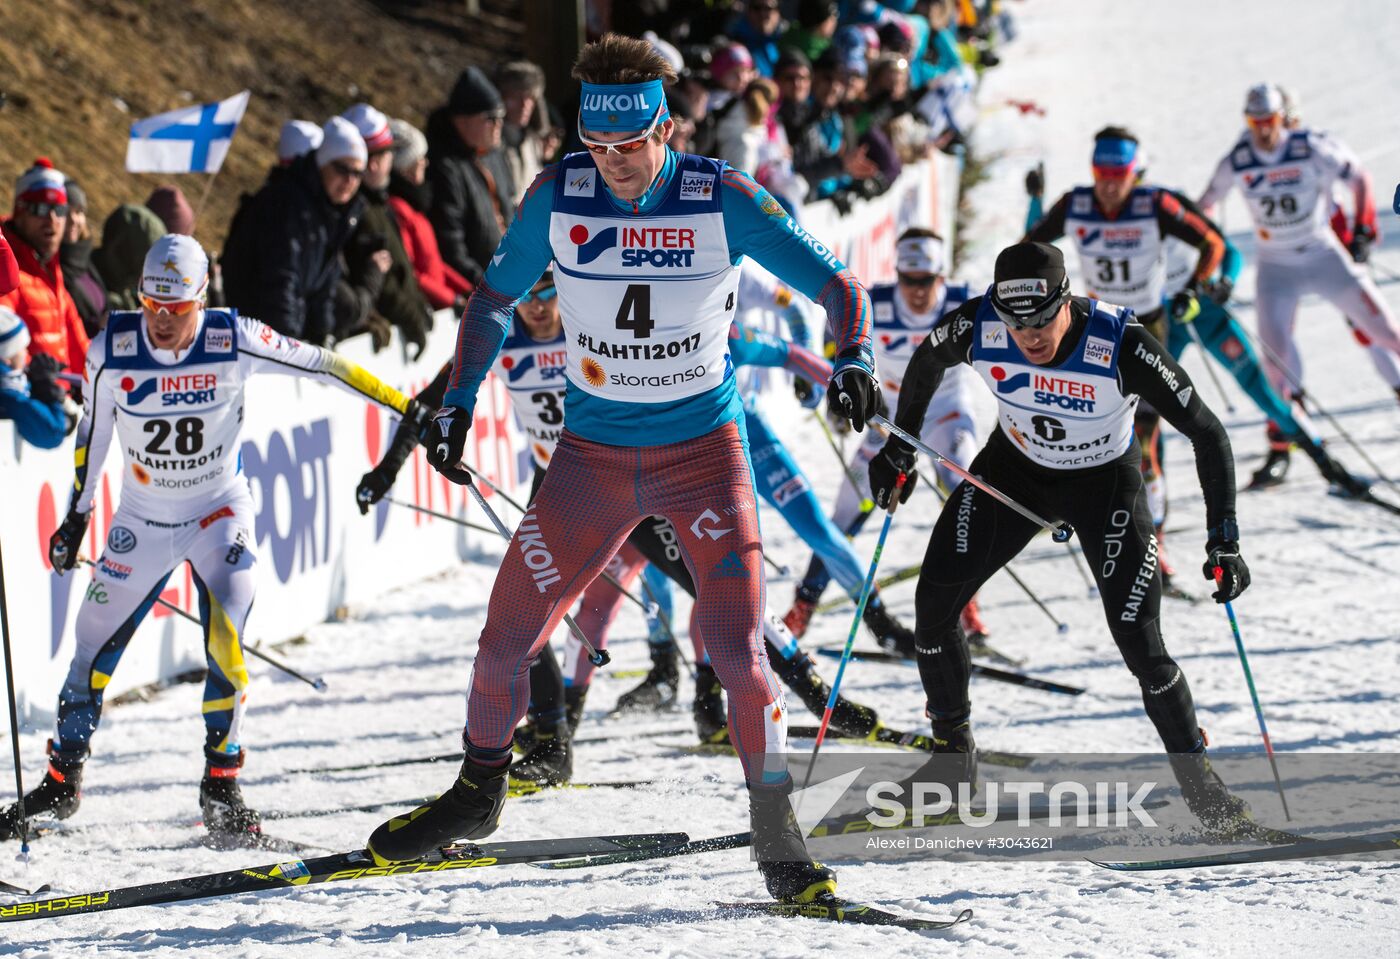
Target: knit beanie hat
point(298, 137)
point(473, 93)
point(373, 126)
point(340, 139)
point(14, 335)
point(410, 145)
point(168, 202)
point(41, 183)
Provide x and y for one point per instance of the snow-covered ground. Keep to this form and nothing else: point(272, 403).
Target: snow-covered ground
point(1320, 620)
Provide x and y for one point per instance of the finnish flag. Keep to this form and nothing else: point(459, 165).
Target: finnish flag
point(189, 140)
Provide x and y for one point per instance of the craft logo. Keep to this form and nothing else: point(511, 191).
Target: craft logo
point(593, 373)
point(697, 186)
point(1098, 351)
point(581, 183)
point(1007, 384)
point(590, 249)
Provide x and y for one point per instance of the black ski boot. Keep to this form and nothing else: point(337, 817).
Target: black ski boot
point(573, 706)
point(1224, 815)
point(658, 690)
point(954, 760)
point(1335, 473)
point(892, 635)
point(711, 720)
point(56, 797)
point(782, 857)
point(471, 809)
point(227, 817)
point(1274, 470)
point(800, 675)
point(550, 760)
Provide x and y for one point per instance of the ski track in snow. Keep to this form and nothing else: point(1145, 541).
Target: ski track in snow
point(1319, 620)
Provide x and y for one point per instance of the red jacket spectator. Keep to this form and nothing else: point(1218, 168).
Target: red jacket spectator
point(9, 269)
point(441, 284)
point(35, 233)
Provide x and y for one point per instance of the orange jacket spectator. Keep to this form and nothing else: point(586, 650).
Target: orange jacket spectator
point(45, 306)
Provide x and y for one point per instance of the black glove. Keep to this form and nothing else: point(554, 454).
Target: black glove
point(854, 394)
point(806, 393)
point(1224, 555)
point(895, 457)
point(1361, 240)
point(1183, 306)
point(373, 486)
point(446, 441)
point(1219, 290)
point(66, 541)
point(1035, 180)
point(43, 379)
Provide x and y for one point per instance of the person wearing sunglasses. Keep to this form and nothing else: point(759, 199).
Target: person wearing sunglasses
point(1286, 177)
point(1120, 227)
point(647, 246)
point(1027, 337)
point(35, 234)
point(283, 258)
point(905, 311)
point(166, 385)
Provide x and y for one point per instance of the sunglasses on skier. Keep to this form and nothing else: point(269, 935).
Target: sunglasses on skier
point(630, 145)
point(543, 295)
point(174, 308)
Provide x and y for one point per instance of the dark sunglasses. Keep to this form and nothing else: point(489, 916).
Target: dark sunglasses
point(918, 282)
point(45, 209)
point(348, 171)
point(544, 294)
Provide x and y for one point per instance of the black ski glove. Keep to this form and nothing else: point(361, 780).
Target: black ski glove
point(373, 486)
point(1035, 180)
point(446, 441)
point(1362, 239)
point(43, 379)
point(67, 540)
point(378, 481)
point(1183, 306)
point(895, 457)
point(854, 394)
point(1223, 554)
point(807, 394)
point(1219, 290)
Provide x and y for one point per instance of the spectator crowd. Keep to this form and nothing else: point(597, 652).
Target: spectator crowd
point(366, 224)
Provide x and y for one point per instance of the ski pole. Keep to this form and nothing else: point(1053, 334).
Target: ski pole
point(865, 591)
point(1059, 532)
point(317, 684)
point(488, 529)
point(1321, 410)
point(779, 568)
point(598, 657)
point(1254, 695)
point(865, 503)
point(1186, 319)
point(14, 717)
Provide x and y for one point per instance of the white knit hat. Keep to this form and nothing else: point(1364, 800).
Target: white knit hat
point(298, 138)
point(373, 126)
point(340, 139)
point(410, 145)
point(14, 335)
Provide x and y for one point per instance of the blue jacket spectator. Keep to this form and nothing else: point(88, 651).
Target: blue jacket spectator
point(759, 28)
